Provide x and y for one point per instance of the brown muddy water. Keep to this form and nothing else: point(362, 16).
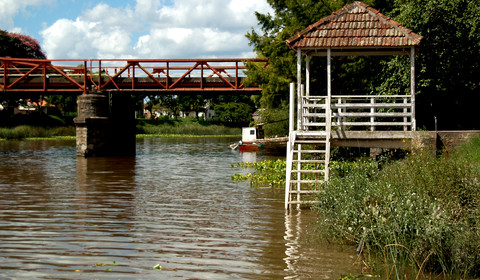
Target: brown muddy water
point(172, 205)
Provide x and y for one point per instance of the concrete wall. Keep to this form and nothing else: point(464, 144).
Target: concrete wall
point(105, 125)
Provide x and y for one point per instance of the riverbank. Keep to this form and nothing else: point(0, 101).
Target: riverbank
point(414, 215)
point(418, 214)
point(189, 127)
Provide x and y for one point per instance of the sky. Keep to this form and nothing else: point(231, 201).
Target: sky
point(163, 29)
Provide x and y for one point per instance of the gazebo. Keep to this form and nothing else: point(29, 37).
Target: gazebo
point(355, 30)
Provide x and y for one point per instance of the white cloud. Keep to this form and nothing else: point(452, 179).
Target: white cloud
point(153, 29)
point(10, 8)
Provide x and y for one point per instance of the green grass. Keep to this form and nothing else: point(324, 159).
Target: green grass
point(181, 126)
point(189, 127)
point(29, 132)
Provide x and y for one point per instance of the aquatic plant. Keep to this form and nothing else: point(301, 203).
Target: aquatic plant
point(269, 173)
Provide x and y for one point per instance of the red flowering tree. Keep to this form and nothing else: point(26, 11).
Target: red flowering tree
point(20, 46)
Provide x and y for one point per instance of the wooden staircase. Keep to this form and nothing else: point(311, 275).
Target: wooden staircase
point(308, 152)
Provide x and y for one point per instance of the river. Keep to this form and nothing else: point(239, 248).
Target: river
point(173, 206)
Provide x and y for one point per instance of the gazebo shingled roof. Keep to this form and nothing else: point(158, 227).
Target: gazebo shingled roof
point(356, 29)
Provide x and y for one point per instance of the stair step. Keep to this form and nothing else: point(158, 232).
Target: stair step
point(312, 142)
point(314, 105)
point(308, 171)
point(310, 151)
point(306, 192)
point(320, 115)
point(309, 161)
point(303, 202)
point(308, 181)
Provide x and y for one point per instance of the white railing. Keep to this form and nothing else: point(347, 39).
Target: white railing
point(358, 112)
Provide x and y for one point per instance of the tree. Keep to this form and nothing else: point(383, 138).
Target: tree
point(233, 114)
point(449, 61)
point(192, 102)
point(19, 46)
point(290, 17)
point(448, 79)
point(171, 103)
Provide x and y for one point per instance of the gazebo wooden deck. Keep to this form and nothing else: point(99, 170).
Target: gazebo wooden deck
point(355, 30)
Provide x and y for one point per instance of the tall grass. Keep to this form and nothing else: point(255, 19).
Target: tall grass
point(419, 214)
point(183, 127)
point(26, 131)
point(414, 215)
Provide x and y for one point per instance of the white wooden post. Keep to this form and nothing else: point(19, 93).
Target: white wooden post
point(405, 119)
point(307, 77)
point(329, 88)
point(340, 119)
point(328, 114)
point(291, 118)
point(372, 111)
point(307, 91)
point(412, 87)
point(291, 123)
point(299, 88)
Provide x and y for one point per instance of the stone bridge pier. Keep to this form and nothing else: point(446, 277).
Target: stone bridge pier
point(105, 125)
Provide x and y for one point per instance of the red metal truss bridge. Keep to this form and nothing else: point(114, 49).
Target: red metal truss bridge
point(140, 76)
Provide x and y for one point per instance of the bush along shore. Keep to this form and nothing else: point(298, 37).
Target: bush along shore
point(37, 132)
point(145, 128)
point(184, 126)
point(411, 218)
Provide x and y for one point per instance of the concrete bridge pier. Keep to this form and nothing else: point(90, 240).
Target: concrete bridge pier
point(105, 125)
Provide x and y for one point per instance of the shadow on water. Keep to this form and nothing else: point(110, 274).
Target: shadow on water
point(173, 204)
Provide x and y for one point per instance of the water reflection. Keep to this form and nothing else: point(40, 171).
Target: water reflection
point(310, 258)
point(174, 204)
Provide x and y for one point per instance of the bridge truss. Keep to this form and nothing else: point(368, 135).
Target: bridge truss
point(145, 76)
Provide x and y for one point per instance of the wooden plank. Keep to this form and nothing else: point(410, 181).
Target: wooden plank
point(312, 124)
point(369, 123)
point(307, 192)
point(309, 161)
point(389, 114)
point(369, 105)
point(307, 181)
point(316, 171)
point(370, 96)
point(310, 105)
point(310, 151)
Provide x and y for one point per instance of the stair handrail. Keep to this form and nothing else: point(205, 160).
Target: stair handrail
point(289, 166)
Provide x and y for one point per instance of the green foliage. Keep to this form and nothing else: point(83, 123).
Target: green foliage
point(289, 18)
point(187, 126)
point(192, 102)
point(233, 114)
point(448, 62)
point(66, 103)
point(422, 211)
point(275, 122)
point(25, 131)
point(269, 173)
point(416, 214)
point(448, 84)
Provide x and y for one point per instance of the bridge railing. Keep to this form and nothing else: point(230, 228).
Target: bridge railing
point(30, 75)
point(358, 112)
point(173, 74)
point(120, 74)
